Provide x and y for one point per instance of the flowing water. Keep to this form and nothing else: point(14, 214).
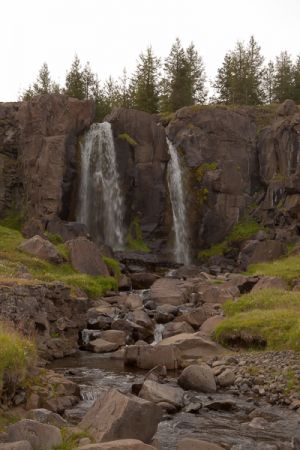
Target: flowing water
point(101, 205)
point(214, 422)
point(175, 183)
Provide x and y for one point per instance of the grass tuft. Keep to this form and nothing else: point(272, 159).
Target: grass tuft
point(287, 268)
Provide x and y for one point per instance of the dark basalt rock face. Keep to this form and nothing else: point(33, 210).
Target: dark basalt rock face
point(219, 151)
point(279, 163)
point(38, 164)
point(142, 156)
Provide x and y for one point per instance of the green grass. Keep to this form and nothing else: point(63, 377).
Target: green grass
point(114, 265)
point(17, 354)
point(134, 237)
point(70, 441)
point(126, 137)
point(11, 259)
point(12, 219)
point(241, 231)
point(270, 315)
point(287, 268)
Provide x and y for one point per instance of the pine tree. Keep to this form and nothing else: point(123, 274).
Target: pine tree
point(296, 81)
point(125, 91)
point(75, 80)
point(240, 78)
point(269, 83)
point(196, 75)
point(42, 85)
point(145, 82)
point(284, 77)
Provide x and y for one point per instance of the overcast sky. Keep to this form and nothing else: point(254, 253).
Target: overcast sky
point(111, 33)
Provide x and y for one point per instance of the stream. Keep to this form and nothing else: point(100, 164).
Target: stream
point(237, 422)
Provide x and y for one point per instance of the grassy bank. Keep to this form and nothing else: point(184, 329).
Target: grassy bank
point(269, 318)
point(13, 260)
point(17, 354)
point(287, 268)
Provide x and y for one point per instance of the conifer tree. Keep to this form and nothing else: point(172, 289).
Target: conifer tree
point(145, 82)
point(269, 83)
point(42, 85)
point(284, 77)
point(75, 80)
point(296, 81)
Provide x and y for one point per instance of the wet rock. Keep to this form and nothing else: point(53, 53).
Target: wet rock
point(85, 257)
point(198, 378)
point(158, 392)
point(221, 405)
point(194, 318)
point(118, 416)
point(141, 318)
point(115, 336)
point(101, 317)
point(226, 378)
point(121, 444)
point(193, 407)
point(39, 435)
point(41, 248)
point(43, 415)
point(147, 356)
point(102, 346)
point(195, 444)
point(133, 301)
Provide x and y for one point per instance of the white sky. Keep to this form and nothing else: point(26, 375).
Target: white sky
point(111, 33)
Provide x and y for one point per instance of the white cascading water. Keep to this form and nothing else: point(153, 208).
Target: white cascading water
point(175, 183)
point(101, 205)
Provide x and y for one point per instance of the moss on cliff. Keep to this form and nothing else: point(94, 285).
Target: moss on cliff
point(241, 231)
point(126, 137)
point(134, 237)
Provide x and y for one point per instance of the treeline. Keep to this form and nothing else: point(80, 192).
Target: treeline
point(180, 80)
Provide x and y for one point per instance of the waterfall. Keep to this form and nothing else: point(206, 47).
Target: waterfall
point(158, 333)
point(101, 205)
point(175, 183)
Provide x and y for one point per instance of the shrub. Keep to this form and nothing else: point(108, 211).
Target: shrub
point(114, 265)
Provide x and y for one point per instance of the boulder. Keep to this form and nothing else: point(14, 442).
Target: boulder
point(116, 336)
point(118, 416)
point(143, 280)
point(133, 301)
point(101, 317)
point(260, 251)
point(45, 416)
point(194, 318)
point(41, 248)
point(270, 283)
point(226, 378)
point(40, 435)
point(138, 332)
point(66, 230)
point(141, 318)
point(147, 356)
point(167, 291)
point(158, 392)
point(198, 378)
point(121, 444)
point(196, 444)
point(173, 328)
point(102, 346)
point(209, 326)
point(193, 346)
point(20, 445)
point(85, 257)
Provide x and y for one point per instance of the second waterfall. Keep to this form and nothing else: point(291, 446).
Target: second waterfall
point(178, 201)
point(101, 204)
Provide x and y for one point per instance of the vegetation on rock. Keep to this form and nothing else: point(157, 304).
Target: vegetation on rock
point(126, 137)
point(13, 260)
point(241, 231)
point(287, 268)
point(134, 237)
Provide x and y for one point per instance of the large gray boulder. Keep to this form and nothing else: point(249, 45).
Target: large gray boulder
point(85, 257)
point(40, 435)
point(158, 392)
point(41, 248)
point(198, 378)
point(118, 416)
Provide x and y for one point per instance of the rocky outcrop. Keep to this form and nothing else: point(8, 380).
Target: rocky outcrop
point(38, 142)
point(142, 157)
point(39, 435)
point(41, 248)
point(85, 257)
point(46, 311)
